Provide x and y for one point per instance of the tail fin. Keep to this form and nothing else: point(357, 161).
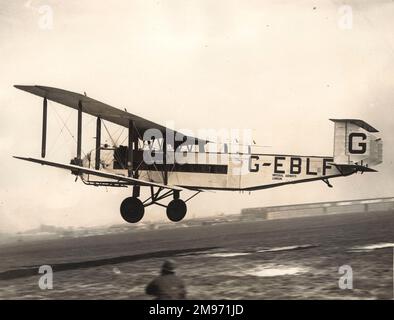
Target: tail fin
point(355, 144)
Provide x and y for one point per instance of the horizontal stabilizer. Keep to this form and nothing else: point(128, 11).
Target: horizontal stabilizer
point(346, 168)
point(357, 122)
point(117, 177)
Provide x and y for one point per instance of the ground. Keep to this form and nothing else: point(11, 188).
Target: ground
point(296, 258)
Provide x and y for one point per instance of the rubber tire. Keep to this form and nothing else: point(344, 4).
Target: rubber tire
point(176, 210)
point(132, 209)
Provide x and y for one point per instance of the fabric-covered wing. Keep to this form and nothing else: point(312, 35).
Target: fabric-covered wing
point(80, 170)
point(95, 108)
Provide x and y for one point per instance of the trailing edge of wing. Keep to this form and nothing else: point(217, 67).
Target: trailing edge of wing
point(98, 173)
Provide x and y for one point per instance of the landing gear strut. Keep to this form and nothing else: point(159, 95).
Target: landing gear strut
point(327, 183)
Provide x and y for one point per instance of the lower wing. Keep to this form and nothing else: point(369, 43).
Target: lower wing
point(79, 170)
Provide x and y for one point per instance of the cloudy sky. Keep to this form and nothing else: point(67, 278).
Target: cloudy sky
point(281, 68)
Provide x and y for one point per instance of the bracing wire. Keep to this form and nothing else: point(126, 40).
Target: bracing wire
point(66, 127)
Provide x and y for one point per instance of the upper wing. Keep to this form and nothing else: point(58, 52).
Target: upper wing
point(97, 109)
point(98, 173)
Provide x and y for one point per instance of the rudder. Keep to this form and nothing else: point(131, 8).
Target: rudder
point(354, 143)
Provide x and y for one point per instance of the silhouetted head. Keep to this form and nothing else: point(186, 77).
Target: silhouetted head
point(168, 267)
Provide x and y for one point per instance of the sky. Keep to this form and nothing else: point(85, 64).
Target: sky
point(280, 68)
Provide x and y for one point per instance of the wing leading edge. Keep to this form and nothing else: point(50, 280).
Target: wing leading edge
point(80, 170)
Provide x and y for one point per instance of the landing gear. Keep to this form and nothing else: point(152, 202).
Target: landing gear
point(132, 209)
point(176, 210)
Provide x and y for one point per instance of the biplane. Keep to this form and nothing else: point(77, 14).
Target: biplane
point(148, 158)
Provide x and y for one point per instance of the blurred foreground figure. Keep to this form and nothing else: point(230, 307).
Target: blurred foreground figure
point(167, 286)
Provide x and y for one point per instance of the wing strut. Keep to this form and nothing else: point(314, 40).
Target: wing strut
point(98, 143)
point(130, 149)
point(44, 127)
point(165, 160)
point(79, 135)
point(133, 145)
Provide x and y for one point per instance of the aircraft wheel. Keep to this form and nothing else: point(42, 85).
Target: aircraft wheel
point(176, 210)
point(132, 209)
